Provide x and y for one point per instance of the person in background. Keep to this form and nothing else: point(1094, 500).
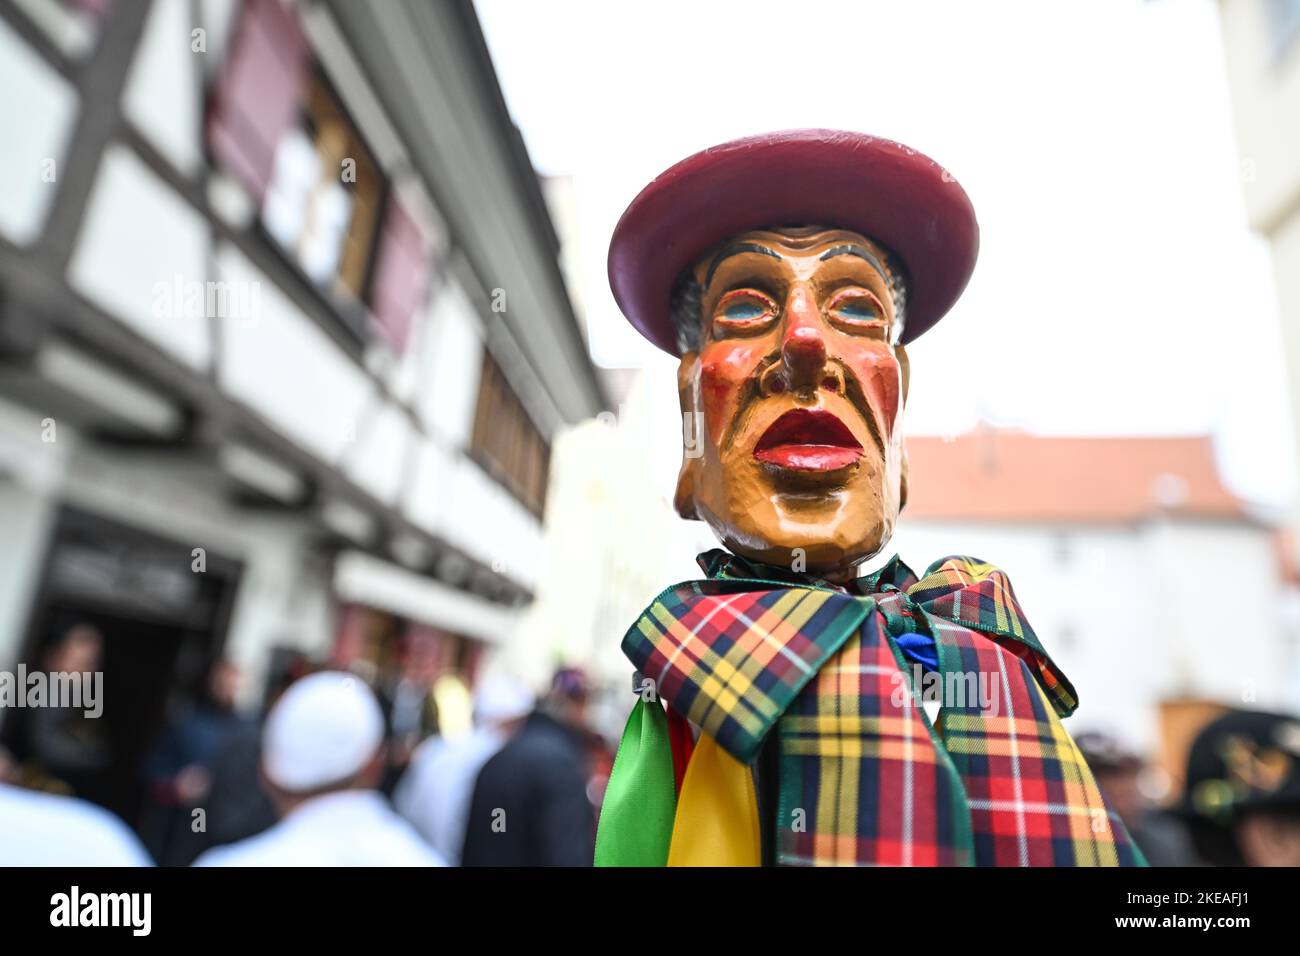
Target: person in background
point(63, 744)
point(1242, 795)
point(412, 717)
point(435, 791)
point(180, 770)
point(1161, 836)
point(238, 807)
point(323, 756)
point(530, 805)
point(43, 829)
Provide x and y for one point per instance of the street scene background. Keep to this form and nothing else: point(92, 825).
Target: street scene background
point(309, 363)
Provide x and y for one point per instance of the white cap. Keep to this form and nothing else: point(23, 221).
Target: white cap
point(324, 729)
point(499, 698)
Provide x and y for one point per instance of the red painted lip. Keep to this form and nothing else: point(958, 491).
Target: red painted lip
point(808, 440)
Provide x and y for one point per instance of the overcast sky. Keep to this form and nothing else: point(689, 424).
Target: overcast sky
point(1118, 289)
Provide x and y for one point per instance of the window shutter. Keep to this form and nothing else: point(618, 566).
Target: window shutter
point(401, 274)
point(258, 93)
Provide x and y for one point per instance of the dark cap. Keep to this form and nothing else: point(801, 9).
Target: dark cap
point(1245, 760)
point(1104, 752)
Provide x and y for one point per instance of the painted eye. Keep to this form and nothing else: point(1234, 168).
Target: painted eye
point(743, 310)
point(862, 311)
point(858, 310)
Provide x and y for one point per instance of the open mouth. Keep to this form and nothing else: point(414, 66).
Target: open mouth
point(808, 440)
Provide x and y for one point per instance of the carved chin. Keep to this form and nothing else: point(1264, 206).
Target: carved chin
point(835, 521)
point(785, 538)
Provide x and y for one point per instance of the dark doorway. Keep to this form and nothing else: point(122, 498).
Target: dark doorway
point(161, 625)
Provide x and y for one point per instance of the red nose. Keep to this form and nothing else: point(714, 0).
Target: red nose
point(804, 353)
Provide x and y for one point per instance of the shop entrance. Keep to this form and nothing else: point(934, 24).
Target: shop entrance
point(155, 625)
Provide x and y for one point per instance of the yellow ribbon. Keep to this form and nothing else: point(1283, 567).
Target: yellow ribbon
point(717, 812)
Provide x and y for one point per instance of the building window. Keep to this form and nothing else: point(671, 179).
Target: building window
point(323, 201)
point(401, 273)
point(258, 94)
point(276, 124)
point(506, 442)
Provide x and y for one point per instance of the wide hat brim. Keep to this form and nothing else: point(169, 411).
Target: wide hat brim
point(881, 189)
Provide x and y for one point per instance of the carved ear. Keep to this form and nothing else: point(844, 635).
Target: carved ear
point(902, 480)
point(906, 364)
point(692, 437)
point(684, 499)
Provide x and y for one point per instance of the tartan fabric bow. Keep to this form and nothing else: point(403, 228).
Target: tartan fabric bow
point(865, 776)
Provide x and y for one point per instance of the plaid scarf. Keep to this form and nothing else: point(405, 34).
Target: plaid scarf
point(865, 778)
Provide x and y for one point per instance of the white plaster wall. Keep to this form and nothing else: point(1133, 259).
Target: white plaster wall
point(486, 520)
point(1286, 272)
point(1066, 581)
point(35, 450)
point(1265, 91)
point(284, 367)
point(37, 111)
point(1133, 614)
point(1219, 586)
point(27, 518)
point(452, 364)
point(1265, 103)
point(162, 97)
point(377, 460)
point(72, 31)
point(452, 497)
point(404, 373)
point(217, 17)
point(137, 238)
point(429, 478)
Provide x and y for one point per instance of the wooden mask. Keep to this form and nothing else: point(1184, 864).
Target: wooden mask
point(792, 394)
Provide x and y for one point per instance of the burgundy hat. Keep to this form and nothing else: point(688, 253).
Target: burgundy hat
point(884, 190)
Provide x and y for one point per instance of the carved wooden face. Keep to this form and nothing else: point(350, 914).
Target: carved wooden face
point(797, 390)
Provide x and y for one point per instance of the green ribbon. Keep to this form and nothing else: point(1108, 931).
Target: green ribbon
point(636, 819)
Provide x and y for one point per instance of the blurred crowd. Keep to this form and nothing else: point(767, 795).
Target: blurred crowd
point(1240, 800)
point(339, 772)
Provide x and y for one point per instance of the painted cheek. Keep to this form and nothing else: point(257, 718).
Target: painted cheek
point(725, 369)
point(880, 376)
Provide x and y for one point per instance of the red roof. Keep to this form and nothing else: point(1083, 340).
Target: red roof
point(1009, 475)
